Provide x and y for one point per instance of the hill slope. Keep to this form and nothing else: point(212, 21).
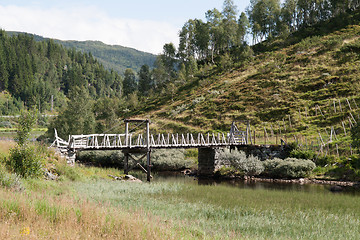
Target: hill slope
point(309, 88)
point(114, 57)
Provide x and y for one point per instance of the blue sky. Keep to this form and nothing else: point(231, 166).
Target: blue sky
point(142, 24)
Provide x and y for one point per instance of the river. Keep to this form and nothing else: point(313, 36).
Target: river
point(176, 177)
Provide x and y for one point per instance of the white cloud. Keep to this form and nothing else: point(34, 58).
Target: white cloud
point(88, 24)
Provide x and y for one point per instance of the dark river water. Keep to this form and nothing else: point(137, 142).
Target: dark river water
point(175, 177)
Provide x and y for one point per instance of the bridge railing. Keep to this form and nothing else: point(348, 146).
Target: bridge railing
point(170, 140)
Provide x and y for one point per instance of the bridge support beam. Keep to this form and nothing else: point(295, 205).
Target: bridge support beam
point(206, 161)
point(130, 154)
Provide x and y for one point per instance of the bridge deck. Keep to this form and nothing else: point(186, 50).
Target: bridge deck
point(158, 141)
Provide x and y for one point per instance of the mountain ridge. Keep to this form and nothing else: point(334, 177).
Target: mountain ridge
point(115, 57)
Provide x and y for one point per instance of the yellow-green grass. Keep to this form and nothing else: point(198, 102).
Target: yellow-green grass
point(93, 206)
point(5, 146)
point(220, 212)
point(33, 215)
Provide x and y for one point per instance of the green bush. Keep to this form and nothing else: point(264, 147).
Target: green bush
point(26, 161)
point(169, 160)
point(288, 168)
point(161, 159)
point(102, 158)
point(191, 153)
point(250, 165)
point(302, 154)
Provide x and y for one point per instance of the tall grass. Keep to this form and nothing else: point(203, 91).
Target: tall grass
point(219, 212)
point(5, 146)
point(42, 216)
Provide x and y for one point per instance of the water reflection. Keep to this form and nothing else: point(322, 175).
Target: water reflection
point(176, 177)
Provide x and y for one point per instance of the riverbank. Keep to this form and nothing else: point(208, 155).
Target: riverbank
point(300, 181)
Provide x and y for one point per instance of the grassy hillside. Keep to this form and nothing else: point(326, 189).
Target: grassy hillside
point(303, 87)
point(114, 57)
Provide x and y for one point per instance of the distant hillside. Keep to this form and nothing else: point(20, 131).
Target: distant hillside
point(112, 57)
point(32, 73)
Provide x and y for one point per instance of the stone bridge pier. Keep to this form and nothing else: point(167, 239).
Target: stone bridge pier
point(208, 156)
point(206, 161)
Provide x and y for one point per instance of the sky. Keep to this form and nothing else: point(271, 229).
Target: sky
point(145, 25)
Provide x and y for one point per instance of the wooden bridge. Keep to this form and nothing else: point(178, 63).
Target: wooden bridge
point(130, 143)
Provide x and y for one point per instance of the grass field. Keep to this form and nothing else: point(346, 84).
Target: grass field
point(85, 203)
point(97, 207)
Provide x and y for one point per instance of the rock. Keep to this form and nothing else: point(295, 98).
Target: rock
point(115, 177)
point(132, 178)
point(301, 181)
point(50, 176)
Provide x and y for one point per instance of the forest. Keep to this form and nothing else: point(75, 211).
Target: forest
point(52, 78)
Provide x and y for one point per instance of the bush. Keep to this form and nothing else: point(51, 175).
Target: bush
point(250, 165)
point(288, 168)
point(169, 160)
point(302, 154)
point(102, 158)
point(26, 161)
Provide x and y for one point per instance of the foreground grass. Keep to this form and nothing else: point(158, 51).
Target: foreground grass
point(220, 212)
point(53, 210)
point(86, 204)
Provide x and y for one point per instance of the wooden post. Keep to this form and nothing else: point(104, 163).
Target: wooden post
point(249, 132)
point(290, 121)
point(284, 126)
point(320, 111)
point(353, 118)
point(342, 122)
point(349, 104)
point(340, 106)
point(52, 103)
point(265, 135)
point(254, 137)
point(148, 150)
point(126, 133)
point(355, 103)
point(126, 163)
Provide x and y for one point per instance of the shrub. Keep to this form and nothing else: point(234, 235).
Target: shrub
point(302, 154)
point(250, 165)
point(102, 158)
point(169, 159)
point(288, 168)
point(191, 153)
point(26, 161)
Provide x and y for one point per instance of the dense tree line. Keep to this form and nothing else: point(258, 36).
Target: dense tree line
point(222, 38)
point(31, 72)
point(269, 18)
